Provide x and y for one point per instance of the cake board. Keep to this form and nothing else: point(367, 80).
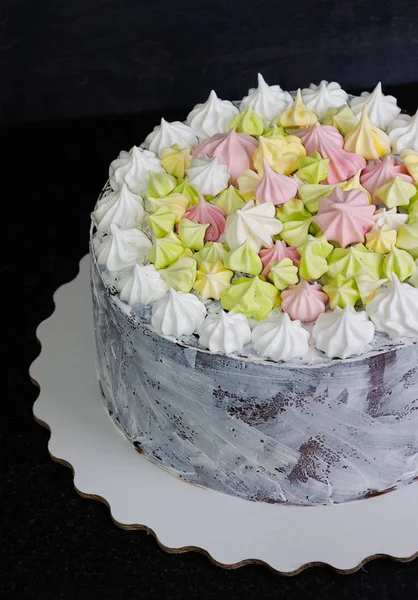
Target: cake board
point(230, 531)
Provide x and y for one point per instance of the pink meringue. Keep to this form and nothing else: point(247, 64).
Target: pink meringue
point(326, 140)
point(277, 252)
point(379, 172)
point(235, 150)
point(345, 217)
point(204, 212)
point(274, 187)
point(304, 301)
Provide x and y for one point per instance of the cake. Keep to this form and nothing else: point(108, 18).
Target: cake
point(254, 275)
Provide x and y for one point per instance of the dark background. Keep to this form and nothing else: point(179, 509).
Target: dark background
point(79, 81)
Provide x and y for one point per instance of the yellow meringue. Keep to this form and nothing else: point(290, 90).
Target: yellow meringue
point(297, 115)
point(367, 140)
point(354, 184)
point(381, 239)
point(280, 152)
point(410, 160)
point(212, 279)
point(176, 160)
point(247, 182)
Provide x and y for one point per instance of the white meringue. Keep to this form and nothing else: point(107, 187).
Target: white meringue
point(266, 101)
point(414, 279)
point(142, 285)
point(211, 117)
point(341, 333)
point(122, 248)
point(167, 134)
point(224, 332)
point(133, 168)
point(389, 217)
point(177, 313)
point(319, 98)
point(279, 338)
point(121, 207)
point(394, 309)
point(381, 109)
point(403, 133)
point(255, 224)
point(207, 176)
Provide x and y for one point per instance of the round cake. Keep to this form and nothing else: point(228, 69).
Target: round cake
point(255, 291)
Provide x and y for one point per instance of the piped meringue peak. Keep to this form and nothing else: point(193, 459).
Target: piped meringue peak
point(264, 214)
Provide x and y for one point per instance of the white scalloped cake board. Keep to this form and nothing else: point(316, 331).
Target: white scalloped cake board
point(183, 516)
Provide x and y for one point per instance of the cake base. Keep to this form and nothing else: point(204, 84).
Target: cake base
point(231, 531)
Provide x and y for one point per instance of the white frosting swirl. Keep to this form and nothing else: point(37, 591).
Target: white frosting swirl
point(414, 279)
point(122, 248)
point(207, 176)
point(255, 224)
point(341, 333)
point(380, 108)
point(166, 134)
point(266, 101)
point(133, 168)
point(177, 313)
point(394, 309)
point(279, 338)
point(211, 117)
point(403, 133)
point(121, 207)
point(319, 98)
point(390, 217)
point(142, 285)
point(224, 332)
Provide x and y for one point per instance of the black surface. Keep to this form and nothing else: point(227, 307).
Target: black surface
point(75, 58)
point(56, 545)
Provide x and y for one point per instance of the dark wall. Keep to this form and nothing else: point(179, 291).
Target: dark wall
point(73, 58)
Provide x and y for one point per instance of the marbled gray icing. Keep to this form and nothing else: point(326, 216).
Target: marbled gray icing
point(331, 431)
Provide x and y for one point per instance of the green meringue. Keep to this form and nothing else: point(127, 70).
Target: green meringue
point(368, 286)
point(396, 192)
point(296, 222)
point(176, 160)
point(313, 168)
point(166, 250)
point(177, 203)
point(212, 252)
point(342, 118)
point(251, 296)
point(192, 234)
point(244, 260)
point(160, 184)
point(353, 261)
point(408, 238)
point(212, 279)
point(274, 130)
point(283, 273)
point(247, 122)
point(342, 292)
point(314, 252)
point(162, 221)
point(311, 193)
point(188, 191)
point(180, 275)
point(229, 200)
point(399, 262)
point(413, 206)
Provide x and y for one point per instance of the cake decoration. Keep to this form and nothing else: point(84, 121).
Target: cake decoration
point(207, 213)
point(212, 252)
point(245, 260)
point(304, 301)
point(162, 221)
point(266, 101)
point(122, 207)
point(207, 175)
point(229, 200)
point(394, 309)
point(181, 274)
point(184, 188)
point(311, 193)
point(342, 292)
point(320, 98)
point(398, 263)
point(381, 109)
point(312, 169)
point(133, 168)
point(246, 184)
point(278, 251)
point(250, 296)
point(342, 118)
point(123, 248)
point(280, 152)
point(367, 140)
point(354, 261)
point(255, 224)
point(367, 286)
point(211, 117)
point(176, 160)
point(354, 183)
point(408, 238)
point(379, 172)
point(274, 188)
point(410, 160)
point(403, 133)
point(176, 203)
point(224, 332)
point(177, 313)
point(167, 134)
point(413, 280)
point(297, 115)
point(247, 122)
point(212, 278)
point(192, 233)
point(396, 192)
point(160, 185)
point(143, 285)
point(279, 338)
point(283, 273)
point(166, 250)
point(380, 239)
point(313, 262)
point(389, 217)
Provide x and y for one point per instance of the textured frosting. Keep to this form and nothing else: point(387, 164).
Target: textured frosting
point(304, 301)
point(211, 117)
point(224, 332)
point(389, 217)
point(133, 168)
point(281, 152)
point(319, 98)
point(267, 101)
point(247, 122)
point(343, 332)
point(167, 134)
point(382, 109)
point(274, 187)
point(121, 207)
point(244, 259)
point(379, 172)
point(207, 175)
point(366, 139)
point(122, 248)
point(297, 115)
point(212, 278)
point(235, 150)
point(396, 192)
point(277, 252)
point(342, 118)
point(250, 296)
point(177, 313)
point(394, 309)
point(204, 212)
point(403, 133)
point(143, 285)
point(176, 160)
point(253, 223)
point(279, 338)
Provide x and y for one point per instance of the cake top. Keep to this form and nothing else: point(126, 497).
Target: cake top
point(253, 219)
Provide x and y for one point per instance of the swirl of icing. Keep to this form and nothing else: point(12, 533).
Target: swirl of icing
point(278, 251)
point(414, 279)
point(267, 101)
point(312, 169)
point(181, 274)
point(304, 301)
point(192, 234)
point(177, 313)
point(410, 160)
point(396, 192)
point(390, 217)
point(381, 239)
point(121, 207)
point(274, 187)
point(343, 332)
point(167, 134)
point(133, 168)
point(283, 273)
point(328, 142)
point(257, 224)
point(403, 133)
point(213, 116)
point(314, 252)
point(382, 109)
point(143, 285)
point(394, 309)
point(247, 122)
point(366, 139)
point(235, 150)
point(297, 115)
point(122, 248)
point(204, 212)
point(166, 250)
point(250, 296)
point(229, 200)
point(244, 260)
point(281, 153)
point(408, 238)
point(212, 252)
point(207, 175)
point(176, 160)
point(379, 172)
point(353, 261)
point(342, 118)
point(398, 263)
point(345, 217)
point(279, 338)
point(319, 98)
point(342, 292)
point(162, 221)
point(224, 332)
point(212, 278)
